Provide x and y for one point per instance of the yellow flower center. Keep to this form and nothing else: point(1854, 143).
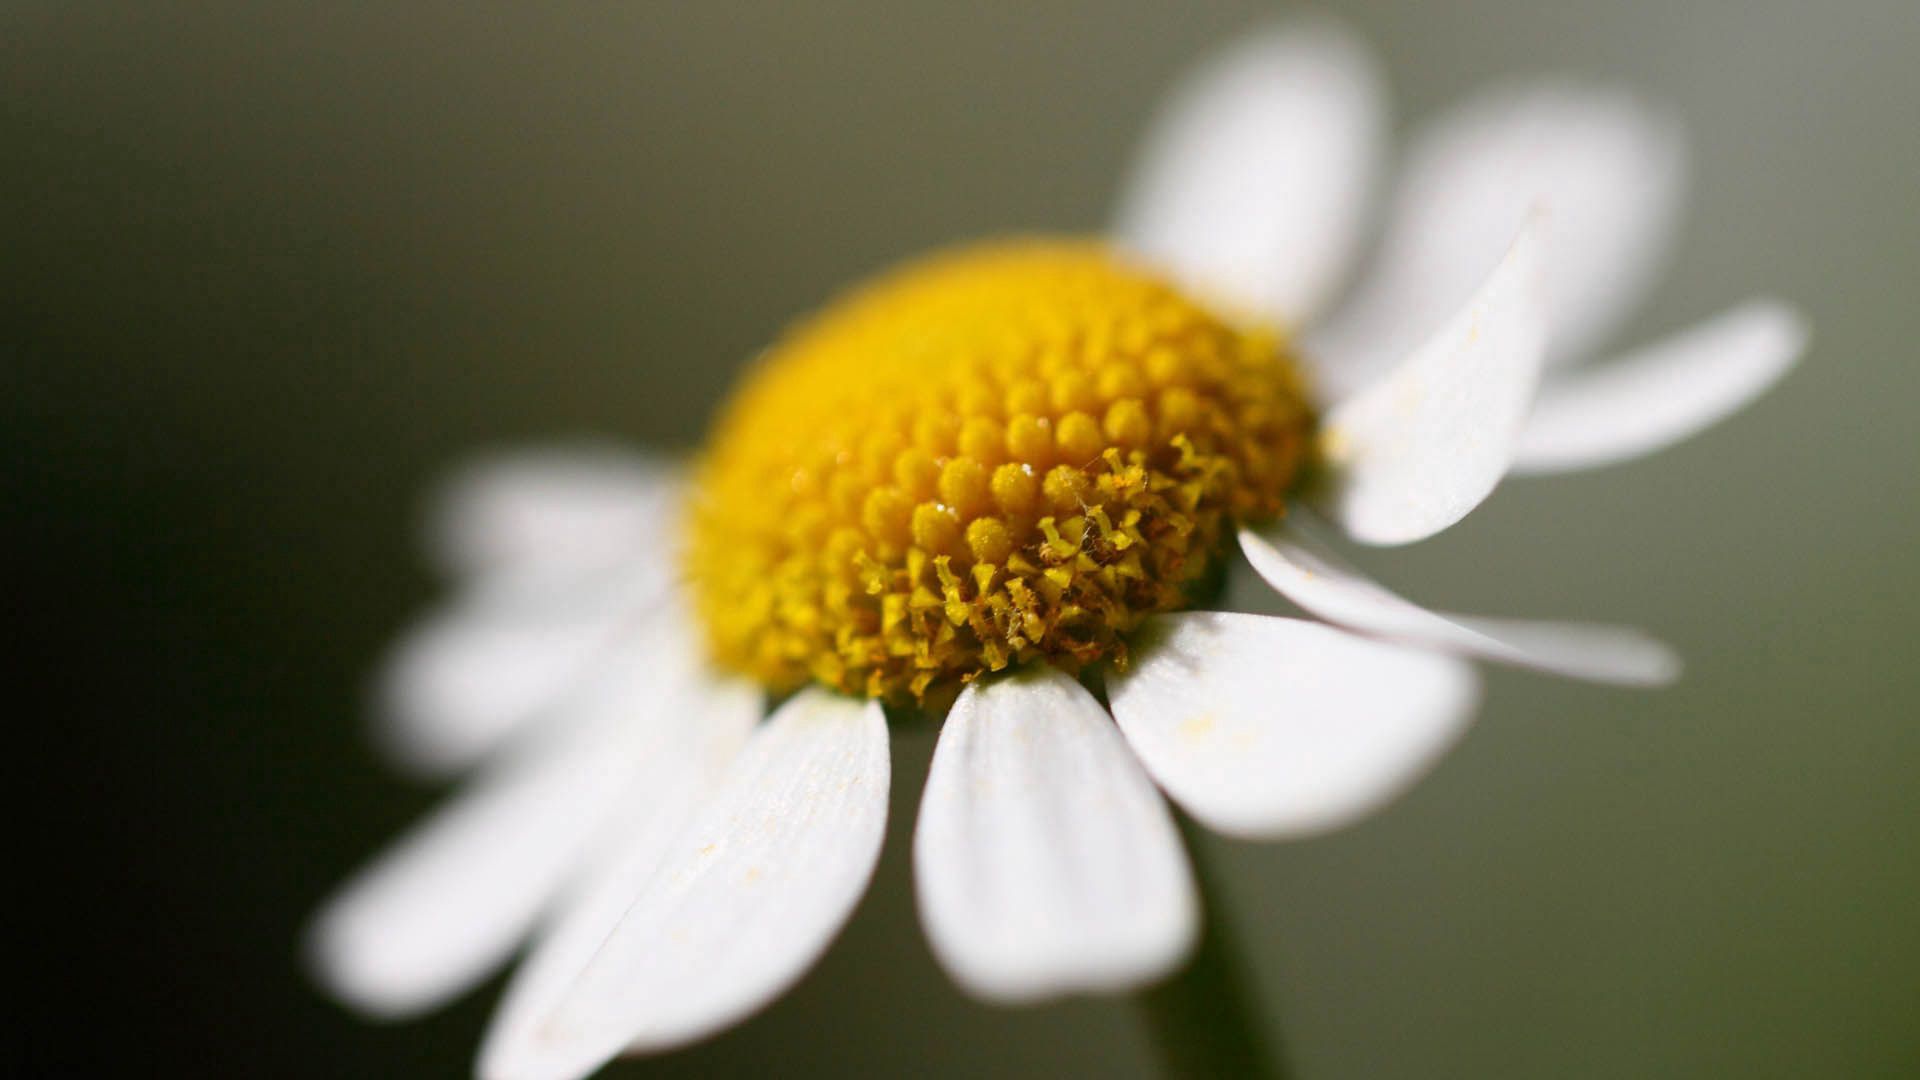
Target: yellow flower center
point(999, 454)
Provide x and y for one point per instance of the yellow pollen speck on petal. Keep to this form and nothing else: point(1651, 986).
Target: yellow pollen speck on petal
point(1002, 454)
point(1196, 728)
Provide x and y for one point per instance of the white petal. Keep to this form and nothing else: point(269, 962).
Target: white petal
point(1609, 169)
point(632, 847)
point(1045, 861)
point(1268, 727)
point(556, 510)
point(1659, 395)
point(1417, 450)
point(744, 901)
point(1251, 185)
point(1306, 572)
point(455, 897)
point(468, 679)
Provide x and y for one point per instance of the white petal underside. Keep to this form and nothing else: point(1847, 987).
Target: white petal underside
point(1271, 727)
point(1251, 185)
point(1417, 450)
point(747, 896)
point(554, 511)
point(449, 902)
point(628, 851)
point(1608, 169)
point(1045, 861)
point(1305, 571)
point(561, 555)
point(1659, 395)
point(504, 655)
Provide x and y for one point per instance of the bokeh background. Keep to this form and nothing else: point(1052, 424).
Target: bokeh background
point(269, 267)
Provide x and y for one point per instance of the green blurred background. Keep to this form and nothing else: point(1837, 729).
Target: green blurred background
point(269, 267)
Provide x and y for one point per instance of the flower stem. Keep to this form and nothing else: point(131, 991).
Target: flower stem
point(1204, 1020)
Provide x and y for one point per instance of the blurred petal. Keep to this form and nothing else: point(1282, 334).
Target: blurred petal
point(743, 902)
point(1417, 450)
point(1659, 395)
point(452, 900)
point(1610, 172)
point(1268, 727)
point(1310, 575)
point(630, 850)
point(558, 510)
point(468, 679)
point(1252, 183)
point(1046, 863)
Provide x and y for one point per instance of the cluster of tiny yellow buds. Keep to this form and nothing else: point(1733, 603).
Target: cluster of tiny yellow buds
point(1001, 454)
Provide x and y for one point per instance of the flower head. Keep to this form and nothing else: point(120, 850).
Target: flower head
point(999, 478)
point(1001, 455)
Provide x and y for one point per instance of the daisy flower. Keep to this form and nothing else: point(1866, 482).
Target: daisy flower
point(998, 486)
